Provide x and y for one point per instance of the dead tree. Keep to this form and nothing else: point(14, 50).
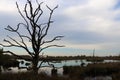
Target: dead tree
point(37, 31)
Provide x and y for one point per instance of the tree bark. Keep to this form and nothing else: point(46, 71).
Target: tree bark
point(35, 65)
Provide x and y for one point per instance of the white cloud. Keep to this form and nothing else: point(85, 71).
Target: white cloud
point(100, 4)
point(97, 14)
point(7, 5)
point(82, 46)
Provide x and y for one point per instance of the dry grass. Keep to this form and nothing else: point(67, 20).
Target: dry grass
point(100, 69)
point(71, 73)
point(30, 76)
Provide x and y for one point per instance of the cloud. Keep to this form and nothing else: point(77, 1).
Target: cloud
point(95, 22)
point(86, 24)
point(96, 15)
point(7, 6)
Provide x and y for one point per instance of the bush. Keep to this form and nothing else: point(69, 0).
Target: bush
point(100, 69)
point(30, 76)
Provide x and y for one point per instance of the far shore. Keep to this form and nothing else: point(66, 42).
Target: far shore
point(61, 58)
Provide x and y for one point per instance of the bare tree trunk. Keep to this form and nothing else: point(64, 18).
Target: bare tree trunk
point(35, 65)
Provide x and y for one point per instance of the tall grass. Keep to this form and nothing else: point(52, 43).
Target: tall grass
point(71, 73)
point(92, 70)
point(30, 76)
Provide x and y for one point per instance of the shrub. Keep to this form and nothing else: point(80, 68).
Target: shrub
point(99, 69)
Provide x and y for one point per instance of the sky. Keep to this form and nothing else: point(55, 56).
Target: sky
point(86, 25)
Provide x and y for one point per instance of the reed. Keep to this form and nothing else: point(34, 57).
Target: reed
point(92, 70)
point(29, 76)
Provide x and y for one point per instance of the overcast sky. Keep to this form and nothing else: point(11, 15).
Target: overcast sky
point(86, 24)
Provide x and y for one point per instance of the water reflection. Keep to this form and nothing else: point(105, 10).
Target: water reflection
point(59, 65)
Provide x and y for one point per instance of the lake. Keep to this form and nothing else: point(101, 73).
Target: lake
point(58, 65)
point(66, 63)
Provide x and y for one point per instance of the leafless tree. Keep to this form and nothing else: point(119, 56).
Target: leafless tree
point(37, 31)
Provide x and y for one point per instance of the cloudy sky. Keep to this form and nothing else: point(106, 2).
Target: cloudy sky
point(86, 25)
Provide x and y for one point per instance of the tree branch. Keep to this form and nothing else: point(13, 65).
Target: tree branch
point(37, 11)
point(49, 47)
point(18, 56)
point(49, 20)
point(22, 15)
point(27, 26)
point(54, 39)
point(52, 65)
point(9, 28)
point(27, 37)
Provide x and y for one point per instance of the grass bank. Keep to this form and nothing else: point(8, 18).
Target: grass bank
point(30, 76)
point(92, 70)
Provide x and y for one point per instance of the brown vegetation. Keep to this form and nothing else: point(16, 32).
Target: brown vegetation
point(92, 70)
point(29, 76)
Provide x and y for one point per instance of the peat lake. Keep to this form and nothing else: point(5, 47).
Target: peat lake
point(58, 65)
